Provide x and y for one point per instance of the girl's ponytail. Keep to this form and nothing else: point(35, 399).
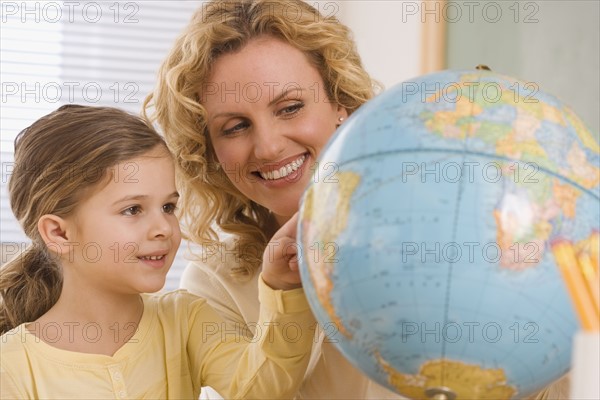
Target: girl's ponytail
point(30, 285)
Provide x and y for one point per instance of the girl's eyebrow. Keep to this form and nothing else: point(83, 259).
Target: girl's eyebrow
point(131, 197)
point(139, 197)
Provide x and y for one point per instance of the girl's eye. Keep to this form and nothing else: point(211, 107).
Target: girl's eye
point(240, 126)
point(291, 109)
point(169, 208)
point(133, 210)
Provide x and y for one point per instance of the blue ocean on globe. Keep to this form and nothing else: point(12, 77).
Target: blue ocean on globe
point(426, 232)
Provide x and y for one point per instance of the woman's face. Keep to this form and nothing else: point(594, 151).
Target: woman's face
point(268, 119)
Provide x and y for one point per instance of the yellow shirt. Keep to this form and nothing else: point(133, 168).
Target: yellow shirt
point(180, 345)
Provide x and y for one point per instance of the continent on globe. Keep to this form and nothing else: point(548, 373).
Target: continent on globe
point(473, 382)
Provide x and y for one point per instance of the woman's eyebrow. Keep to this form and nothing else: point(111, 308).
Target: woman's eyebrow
point(283, 94)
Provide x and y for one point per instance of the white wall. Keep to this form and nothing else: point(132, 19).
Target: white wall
point(387, 36)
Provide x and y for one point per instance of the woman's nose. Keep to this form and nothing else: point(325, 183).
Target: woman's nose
point(268, 142)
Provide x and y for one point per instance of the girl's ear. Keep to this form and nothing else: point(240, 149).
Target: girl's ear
point(53, 230)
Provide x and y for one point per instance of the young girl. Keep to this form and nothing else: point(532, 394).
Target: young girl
point(94, 189)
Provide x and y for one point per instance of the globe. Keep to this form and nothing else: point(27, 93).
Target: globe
point(425, 235)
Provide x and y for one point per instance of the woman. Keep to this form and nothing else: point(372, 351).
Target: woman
point(247, 98)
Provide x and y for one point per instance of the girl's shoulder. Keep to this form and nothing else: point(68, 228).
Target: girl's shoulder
point(13, 341)
point(172, 312)
point(14, 364)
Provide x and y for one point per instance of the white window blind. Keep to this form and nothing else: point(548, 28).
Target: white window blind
point(103, 53)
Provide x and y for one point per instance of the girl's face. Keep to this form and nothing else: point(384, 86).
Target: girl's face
point(268, 119)
point(125, 233)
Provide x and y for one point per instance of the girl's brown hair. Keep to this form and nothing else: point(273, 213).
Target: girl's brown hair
point(221, 27)
point(57, 159)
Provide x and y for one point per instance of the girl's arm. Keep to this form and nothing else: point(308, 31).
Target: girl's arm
point(273, 362)
point(269, 365)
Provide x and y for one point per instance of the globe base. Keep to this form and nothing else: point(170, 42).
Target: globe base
point(440, 393)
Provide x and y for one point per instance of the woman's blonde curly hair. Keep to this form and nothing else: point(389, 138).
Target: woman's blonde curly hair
point(220, 27)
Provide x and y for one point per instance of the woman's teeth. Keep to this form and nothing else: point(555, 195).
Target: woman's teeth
point(283, 171)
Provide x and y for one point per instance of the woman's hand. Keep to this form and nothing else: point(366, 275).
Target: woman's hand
point(280, 258)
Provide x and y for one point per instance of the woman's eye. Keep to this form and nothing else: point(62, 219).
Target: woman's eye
point(169, 208)
point(291, 109)
point(236, 128)
point(133, 210)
